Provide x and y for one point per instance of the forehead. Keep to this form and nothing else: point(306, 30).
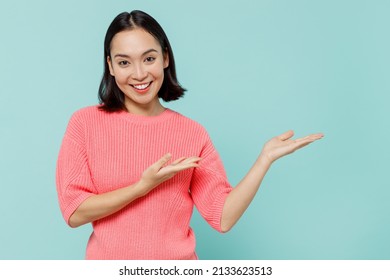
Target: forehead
point(133, 42)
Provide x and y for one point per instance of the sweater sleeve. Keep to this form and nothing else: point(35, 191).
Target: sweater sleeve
point(210, 186)
point(73, 177)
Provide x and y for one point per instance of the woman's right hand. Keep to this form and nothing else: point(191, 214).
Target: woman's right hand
point(102, 205)
point(159, 171)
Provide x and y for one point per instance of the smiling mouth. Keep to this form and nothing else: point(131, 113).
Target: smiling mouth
point(142, 87)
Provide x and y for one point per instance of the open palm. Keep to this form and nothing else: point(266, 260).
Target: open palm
point(160, 171)
point(282, 145)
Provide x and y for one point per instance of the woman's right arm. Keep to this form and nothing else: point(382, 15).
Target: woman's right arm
point(102, 205)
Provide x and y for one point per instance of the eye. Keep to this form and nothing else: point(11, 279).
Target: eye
point(150, 59)
point(123, 63)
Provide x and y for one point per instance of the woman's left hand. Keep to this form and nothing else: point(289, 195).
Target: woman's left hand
point(282, 145)
point(241, 196)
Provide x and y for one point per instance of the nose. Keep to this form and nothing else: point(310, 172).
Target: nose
point(139, 72)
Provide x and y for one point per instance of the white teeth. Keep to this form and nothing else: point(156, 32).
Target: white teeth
point(141, 86)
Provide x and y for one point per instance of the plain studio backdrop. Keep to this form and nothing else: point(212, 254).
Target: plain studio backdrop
point(253, 69)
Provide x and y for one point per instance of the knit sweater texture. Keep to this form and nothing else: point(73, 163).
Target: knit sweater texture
point(104, 151)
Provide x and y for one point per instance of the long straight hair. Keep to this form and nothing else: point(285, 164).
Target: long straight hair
point(111, 98)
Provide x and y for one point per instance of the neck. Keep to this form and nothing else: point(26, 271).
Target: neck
point(153, 109)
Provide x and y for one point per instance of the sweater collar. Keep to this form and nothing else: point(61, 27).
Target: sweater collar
point(165, 115)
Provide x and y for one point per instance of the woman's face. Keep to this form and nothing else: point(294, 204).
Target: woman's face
point(137, 63)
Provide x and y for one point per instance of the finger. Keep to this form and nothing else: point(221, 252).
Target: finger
point(182, 167)
point(192, 159)
point(186, 160)
point(302, 142)
point(188, 165)
point(185, 164)
point(178, 160)
point(171, 170)
point(311, 137)
point(162, 161)
point(286, 135)
point(318, 135)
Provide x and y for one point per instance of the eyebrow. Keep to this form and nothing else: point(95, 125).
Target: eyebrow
point(144, 53)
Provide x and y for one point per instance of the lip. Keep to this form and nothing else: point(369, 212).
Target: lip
point(139, 88)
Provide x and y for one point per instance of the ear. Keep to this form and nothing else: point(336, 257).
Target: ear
point(110, 66)
point(166, 59)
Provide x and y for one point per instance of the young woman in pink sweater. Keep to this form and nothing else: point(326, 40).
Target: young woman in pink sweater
point(135, 169)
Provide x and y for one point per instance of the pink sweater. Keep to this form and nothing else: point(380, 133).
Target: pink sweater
point(103, 151)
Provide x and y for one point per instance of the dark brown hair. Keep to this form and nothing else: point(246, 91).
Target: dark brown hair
point(110, 96)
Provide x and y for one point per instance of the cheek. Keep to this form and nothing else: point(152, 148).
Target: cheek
point(158, 72)
point(120, 77)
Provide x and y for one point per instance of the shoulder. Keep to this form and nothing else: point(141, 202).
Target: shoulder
point(186, 120)
point(188, 124)
point(87, 113)
point(81, 119)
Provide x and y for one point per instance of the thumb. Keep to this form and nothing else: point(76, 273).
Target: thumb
point(286, 135)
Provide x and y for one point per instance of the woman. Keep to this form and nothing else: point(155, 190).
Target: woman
point(134, 169)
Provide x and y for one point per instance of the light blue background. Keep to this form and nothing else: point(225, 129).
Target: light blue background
point(253, 69)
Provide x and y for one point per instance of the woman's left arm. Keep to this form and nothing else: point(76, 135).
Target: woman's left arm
point(241, 196)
